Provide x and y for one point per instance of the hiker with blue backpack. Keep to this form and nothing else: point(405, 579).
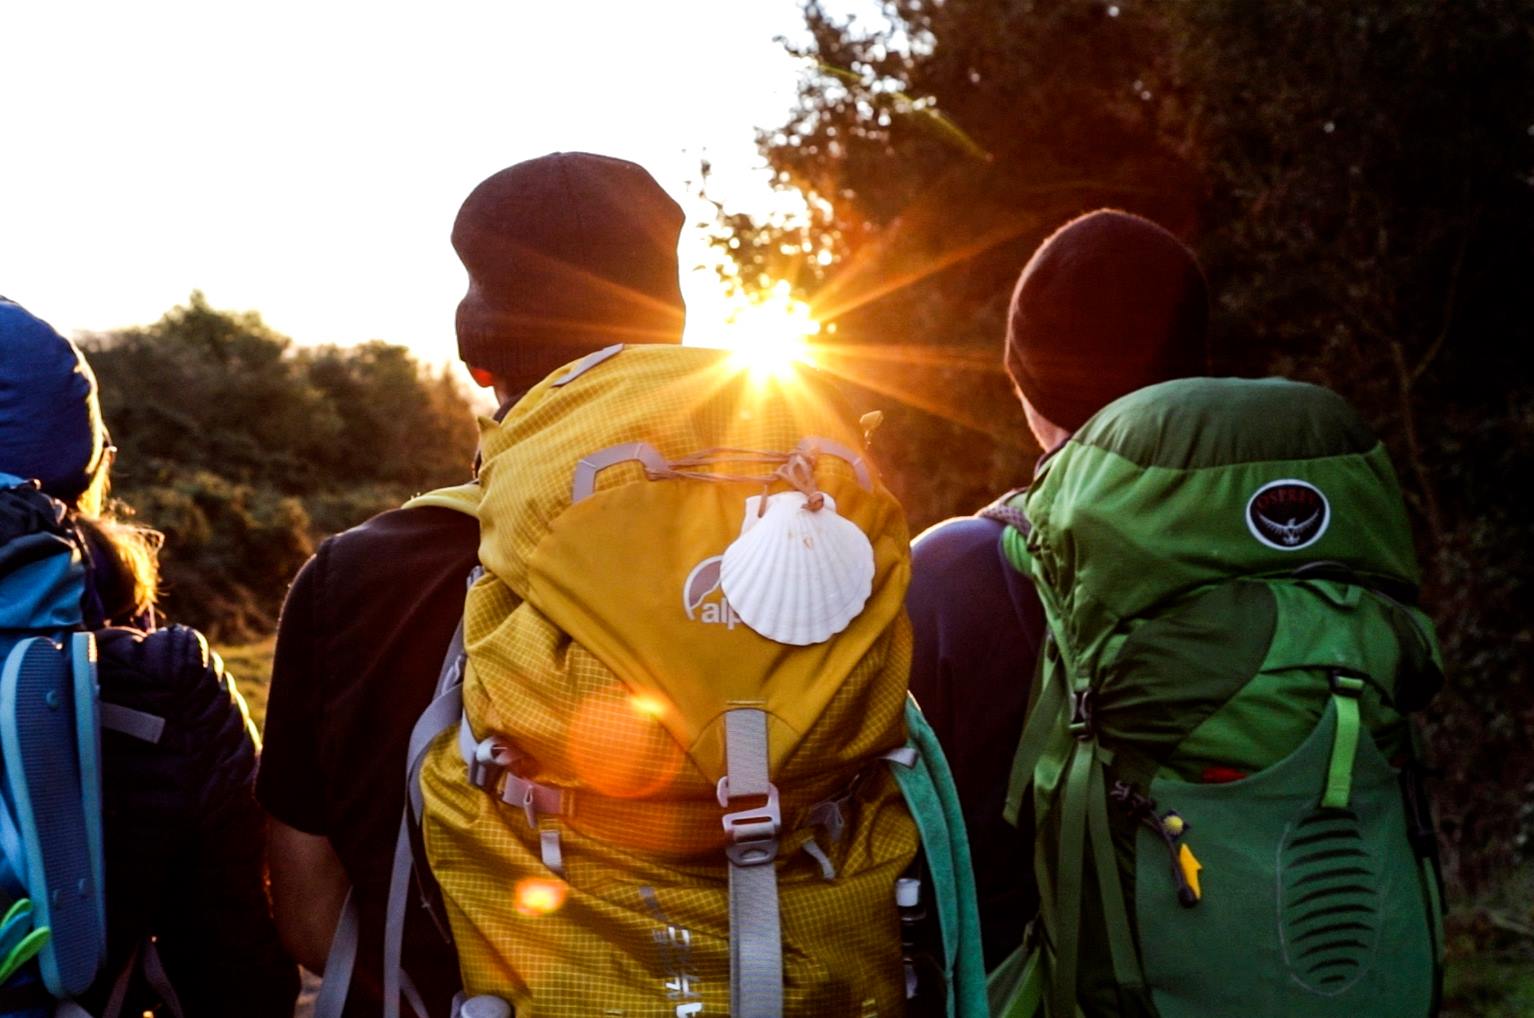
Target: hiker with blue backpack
point(131, 874)
point(1175, 674)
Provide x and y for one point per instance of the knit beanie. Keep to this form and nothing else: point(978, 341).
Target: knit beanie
point(50, 420)
point(1110, 303)
point(566, 253)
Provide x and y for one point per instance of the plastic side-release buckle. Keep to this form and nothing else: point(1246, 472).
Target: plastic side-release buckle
point(488, 765)
point(1345, 684)
point(1081, 726)
point(753, 831)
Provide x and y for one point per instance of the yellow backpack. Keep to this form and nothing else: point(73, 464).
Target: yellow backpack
point(679, 781)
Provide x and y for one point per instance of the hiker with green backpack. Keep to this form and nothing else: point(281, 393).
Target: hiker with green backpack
point(1175, 674)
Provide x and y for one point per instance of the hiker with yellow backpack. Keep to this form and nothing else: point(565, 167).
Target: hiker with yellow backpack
point(668, 766)
point(566, 254)
point(1175, 673)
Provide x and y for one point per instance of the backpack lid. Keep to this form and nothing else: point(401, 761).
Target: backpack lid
point(42, 566)
point(1191, 482)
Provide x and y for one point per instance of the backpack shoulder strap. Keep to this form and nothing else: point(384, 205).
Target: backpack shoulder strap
point(921, 770)
point(463, 498)
point(1008, 510)
point(444, 712)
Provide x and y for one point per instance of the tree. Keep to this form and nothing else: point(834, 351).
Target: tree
point(1356, 177)
point(245, 451)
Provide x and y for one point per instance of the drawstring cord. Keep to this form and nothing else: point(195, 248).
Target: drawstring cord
point(795, 468)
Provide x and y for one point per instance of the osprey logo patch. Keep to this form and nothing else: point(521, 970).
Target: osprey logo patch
point(1288, 514)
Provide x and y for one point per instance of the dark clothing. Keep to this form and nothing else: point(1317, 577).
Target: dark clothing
point(979, 626)
point(359, 649)
point(184, 835)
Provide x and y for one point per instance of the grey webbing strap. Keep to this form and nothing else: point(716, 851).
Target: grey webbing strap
point(532, 798)
point(412, 995)
point(394, 919)
point(745, 753)
point(136, 724)
point(339, 963)
point(467, 745)
point(442, 714)
point(550, 850)
point(814, 851)
point(154, 975)
point(756, 938)
point(831, 817)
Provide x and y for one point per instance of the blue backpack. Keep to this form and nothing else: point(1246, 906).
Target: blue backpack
point(54, 925)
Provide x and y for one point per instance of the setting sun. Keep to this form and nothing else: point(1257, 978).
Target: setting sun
point(768, 333)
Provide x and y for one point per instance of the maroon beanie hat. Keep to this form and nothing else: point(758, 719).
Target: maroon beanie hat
point(1110, 303)
point(566, 253)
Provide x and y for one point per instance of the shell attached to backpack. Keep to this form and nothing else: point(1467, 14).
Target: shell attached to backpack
point(796, 574)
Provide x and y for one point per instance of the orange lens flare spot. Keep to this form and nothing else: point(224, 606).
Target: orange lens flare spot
point(618, 746)
point(538, 897)
point(648, 706)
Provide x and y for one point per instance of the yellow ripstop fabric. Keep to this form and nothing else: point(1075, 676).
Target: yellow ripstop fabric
point(589, 653)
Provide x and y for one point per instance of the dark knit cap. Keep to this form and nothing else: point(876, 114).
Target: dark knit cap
point(566, 253)
point(50, 420)
point(1110, 303)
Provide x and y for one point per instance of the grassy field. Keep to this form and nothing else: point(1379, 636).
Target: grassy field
point(251, 666)
point(1490, 969)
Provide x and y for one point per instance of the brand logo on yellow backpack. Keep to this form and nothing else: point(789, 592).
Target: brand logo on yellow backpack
point(699, 598)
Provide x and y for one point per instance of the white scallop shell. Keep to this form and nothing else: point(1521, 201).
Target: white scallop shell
point(794, 575)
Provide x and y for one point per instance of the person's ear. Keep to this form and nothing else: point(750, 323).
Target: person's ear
point(482, 377)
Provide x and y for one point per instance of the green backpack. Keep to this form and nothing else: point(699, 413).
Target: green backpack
point(1223, 773)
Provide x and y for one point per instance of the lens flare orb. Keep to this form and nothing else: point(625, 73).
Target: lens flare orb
point(535, 896)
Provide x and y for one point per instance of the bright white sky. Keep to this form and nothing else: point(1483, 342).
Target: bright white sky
point(305, 160)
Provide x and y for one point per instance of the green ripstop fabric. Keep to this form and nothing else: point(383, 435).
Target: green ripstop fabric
point(1340, 933)
point(1118, 538)
point(1220, 561)
point(1238, 675)
point(1191, 423)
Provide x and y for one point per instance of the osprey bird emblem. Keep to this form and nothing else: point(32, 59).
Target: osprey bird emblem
point(1288, 514)
point(1288, 533)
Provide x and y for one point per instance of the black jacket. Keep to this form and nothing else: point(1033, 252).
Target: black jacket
point(183, 834)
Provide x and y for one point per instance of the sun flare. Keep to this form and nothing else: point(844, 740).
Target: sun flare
point(768, 333)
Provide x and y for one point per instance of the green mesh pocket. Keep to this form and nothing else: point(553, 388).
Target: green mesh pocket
point(1304, 911)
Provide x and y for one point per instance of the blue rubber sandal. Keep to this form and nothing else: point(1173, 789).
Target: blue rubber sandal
point(50, 741)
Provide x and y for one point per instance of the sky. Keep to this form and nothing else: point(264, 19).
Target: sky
point(305, 160)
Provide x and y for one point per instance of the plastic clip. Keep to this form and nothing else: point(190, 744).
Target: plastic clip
point(1081, 726)
point(753, 831)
